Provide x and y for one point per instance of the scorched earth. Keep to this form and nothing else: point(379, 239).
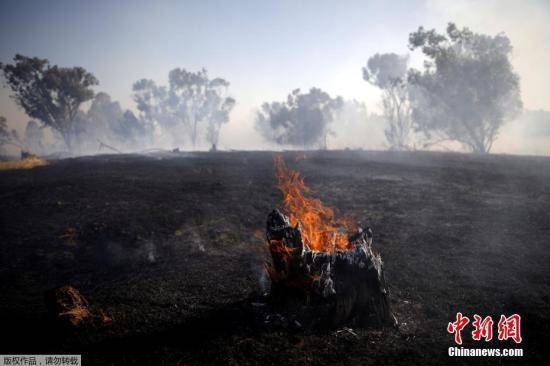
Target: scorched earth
point(167, 246)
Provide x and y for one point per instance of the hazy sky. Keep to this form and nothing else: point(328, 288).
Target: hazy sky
point(264, 48)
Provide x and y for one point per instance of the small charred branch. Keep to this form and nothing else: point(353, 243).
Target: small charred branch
point(104, 145)
point(341, 287)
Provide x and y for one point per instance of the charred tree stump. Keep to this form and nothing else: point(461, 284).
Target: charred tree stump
point(326, 289)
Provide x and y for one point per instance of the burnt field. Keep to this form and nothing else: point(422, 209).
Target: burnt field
point(167, 245)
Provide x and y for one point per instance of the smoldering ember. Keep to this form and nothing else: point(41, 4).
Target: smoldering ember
point(274, 182)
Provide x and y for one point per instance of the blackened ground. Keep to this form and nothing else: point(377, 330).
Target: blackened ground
point(166, 244)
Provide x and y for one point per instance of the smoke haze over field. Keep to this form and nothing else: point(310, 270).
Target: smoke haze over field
point(267, 49)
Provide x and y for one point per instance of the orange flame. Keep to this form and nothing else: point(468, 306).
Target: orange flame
point(321, 229)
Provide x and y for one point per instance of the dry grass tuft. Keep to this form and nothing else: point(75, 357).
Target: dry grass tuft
point(27, 163)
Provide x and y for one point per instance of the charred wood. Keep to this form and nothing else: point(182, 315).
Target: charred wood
point(333, 289)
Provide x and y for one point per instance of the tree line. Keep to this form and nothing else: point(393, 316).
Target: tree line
point(465, 92)
point(192, 106)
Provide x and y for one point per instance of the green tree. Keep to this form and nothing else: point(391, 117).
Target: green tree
point(303, 120)
point(106, 122)
point(50, 94)
point(468, 88)
point(192, 102)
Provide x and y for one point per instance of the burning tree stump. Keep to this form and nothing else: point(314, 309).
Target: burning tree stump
point(342, 287)
point(319, 273)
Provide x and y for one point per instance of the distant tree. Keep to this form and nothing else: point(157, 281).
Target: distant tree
point(192, 101)
point(220, 109)
point(132, 130)
point(196, 100)
point(355, 128)
point(34, 137)
point(102, 116)
point(152, 103)
point(352, 112)
point(7, 136)
point(107, 122)
point(51, 94)
point(388, 72)
point(302, 120)
point(468, 88)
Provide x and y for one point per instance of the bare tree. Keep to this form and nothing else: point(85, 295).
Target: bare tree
point(388, 72)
